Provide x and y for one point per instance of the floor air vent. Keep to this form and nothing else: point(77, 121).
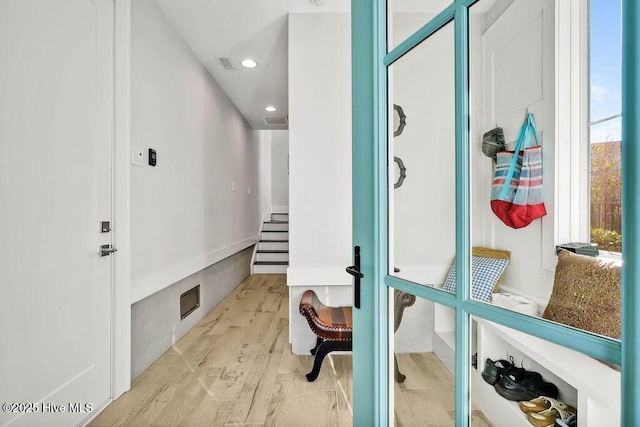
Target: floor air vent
point(189, 301)
point(274, 120)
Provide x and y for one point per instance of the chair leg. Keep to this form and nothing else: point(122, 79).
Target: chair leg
point(323, 349)
point(399, 376)
point(318, 342)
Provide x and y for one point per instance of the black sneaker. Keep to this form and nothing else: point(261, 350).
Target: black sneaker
point(493, 371)
point(518, 374)
point(527, 388)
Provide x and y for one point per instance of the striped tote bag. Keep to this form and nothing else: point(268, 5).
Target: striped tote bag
point(516, 194)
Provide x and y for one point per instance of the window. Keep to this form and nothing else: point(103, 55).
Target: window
point(605, 111)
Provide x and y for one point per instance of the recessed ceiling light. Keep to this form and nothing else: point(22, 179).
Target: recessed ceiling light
point(248, 63)
point(270, 108)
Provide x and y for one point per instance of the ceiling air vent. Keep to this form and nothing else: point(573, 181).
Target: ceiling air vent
point(226, 64)
point(276, 120)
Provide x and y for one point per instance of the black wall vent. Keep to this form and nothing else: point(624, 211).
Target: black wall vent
point(189, 301)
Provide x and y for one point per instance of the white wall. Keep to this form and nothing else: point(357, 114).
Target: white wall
point(320, 148)
point(185, 215)
point(320, 165)
point(280, 170)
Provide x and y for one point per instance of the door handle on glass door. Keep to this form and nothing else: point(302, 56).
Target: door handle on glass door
point(354, 270)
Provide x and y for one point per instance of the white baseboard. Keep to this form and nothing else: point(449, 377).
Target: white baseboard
point(149, 285)
point(443, 347)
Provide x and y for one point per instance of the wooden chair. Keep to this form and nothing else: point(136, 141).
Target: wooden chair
point(402, 300)
point(333, 327)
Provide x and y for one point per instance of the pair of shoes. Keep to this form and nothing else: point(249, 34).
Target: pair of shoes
point(493, 371)
point(542, 403)
point(519, 384)
point(572, 421)
point(556, 412)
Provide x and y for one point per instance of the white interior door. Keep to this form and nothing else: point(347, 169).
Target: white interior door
point(56, 104)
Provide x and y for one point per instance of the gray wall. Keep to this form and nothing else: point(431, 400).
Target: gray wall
point(155, 321)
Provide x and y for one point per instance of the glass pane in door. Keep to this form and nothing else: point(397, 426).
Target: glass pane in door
point(408, 16)
point(422, 162)
point(423, 372)
point(423, 380)
point(511, 80)
point(512, 64)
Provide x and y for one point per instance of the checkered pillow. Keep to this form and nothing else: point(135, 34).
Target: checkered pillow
point(485, 272)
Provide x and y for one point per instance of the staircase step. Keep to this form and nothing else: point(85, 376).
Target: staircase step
point(276, 226)
point(279, 216)
point(272, 256)
point(270, 267)
point(273, 245)
point(275, 235)
point(271, 263)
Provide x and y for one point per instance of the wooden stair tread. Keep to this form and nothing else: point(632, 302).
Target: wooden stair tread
point(271, 241)
point(273, 251)
point(271, 263)
point(276, 221)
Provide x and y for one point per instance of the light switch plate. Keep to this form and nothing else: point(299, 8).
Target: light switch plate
point(137, 156)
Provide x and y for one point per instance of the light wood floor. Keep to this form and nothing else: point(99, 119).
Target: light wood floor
point(235, 367)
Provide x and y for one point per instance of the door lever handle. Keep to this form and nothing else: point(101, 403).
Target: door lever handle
point(354, 270)
point(355, 273)
point(107, 250)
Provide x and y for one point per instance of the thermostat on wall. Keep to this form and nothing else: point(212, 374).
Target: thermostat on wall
point(152, 157)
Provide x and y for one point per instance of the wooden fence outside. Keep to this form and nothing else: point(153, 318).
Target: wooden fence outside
point(607, 216)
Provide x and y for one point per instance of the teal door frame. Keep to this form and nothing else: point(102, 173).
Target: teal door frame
point(369, 123)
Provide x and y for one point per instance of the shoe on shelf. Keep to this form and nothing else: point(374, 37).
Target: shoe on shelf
point(527, 388)
point(572, 421)
point(552, 416)
point(493, 371)
point(542, 403)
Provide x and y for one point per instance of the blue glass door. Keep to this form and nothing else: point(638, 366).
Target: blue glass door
point(421, 103)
